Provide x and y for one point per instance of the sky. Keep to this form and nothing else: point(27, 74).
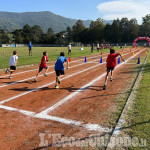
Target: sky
point(82, 9)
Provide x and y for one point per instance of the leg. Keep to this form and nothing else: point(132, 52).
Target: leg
point(105, 84)
point(46, 69)
point(59, 74)
point(31, 52)
point(11, 72)
point(57, 82)
point(111, 79)
point(40, 69)
point(12, 69)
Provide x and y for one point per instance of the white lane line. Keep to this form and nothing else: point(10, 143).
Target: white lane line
point(37, 69)
point(127, 106)
point(29, 113)
point(69, 97)
point(47, 73)
point(32, 90)
point(129, 101)
point(105, 53)
point(43, 75)
point(89, 126)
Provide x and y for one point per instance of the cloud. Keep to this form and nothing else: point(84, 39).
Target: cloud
point(124, 8)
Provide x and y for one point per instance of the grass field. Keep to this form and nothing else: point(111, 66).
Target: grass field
point(139, 118)
point(53, 53)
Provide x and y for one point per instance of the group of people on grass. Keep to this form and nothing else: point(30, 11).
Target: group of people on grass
point(59, 65)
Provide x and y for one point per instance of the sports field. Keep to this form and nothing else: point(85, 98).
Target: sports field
point(38, 116)
point(53, 53)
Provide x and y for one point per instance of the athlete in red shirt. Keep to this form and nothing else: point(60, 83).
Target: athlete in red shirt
point(43, 65)
point(111, 64)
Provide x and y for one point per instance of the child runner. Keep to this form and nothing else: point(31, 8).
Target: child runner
point(111, 64)
point(42, 65)
point(59, 68)
point(12, 63)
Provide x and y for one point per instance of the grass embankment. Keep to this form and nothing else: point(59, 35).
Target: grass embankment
point(139, 116)
point(53, 53)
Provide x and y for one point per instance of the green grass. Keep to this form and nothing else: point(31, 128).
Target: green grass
point(53, 53)
point(139, 116)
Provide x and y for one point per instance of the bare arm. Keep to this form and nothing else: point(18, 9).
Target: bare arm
point(16, 61)
point(121, 57)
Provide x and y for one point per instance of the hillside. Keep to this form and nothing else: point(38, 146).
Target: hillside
point(10, 21)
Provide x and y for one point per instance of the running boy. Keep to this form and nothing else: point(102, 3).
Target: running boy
point(111, 64)
point(43, 65)
point(12, 63)
point(59, 68)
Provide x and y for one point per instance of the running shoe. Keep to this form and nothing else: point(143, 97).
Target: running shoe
point(6, 71)
point(58, 80)
point(35, 80)
point(10, 77)
point(56, 86)
point(111, 79)
point(104, 87)
point(45, 74)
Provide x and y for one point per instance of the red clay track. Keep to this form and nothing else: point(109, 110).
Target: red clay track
point(91, 105)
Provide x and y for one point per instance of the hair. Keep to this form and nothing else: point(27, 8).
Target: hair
point(62, 54)
point(44, 53)
point(14, 52)
point(112, 51)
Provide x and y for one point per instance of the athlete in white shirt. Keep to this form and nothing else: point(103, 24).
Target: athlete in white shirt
point(69, 49)
point(12, 63)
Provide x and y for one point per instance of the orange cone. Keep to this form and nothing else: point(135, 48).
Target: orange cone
point(69, 59)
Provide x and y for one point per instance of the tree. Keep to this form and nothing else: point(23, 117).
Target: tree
point(145, 27)
point(77, 29)
point(133, 30)
point(107, 33)
point(49, 36)
point(116, 31)
point(96, 30)
point(17, 35)
point(61, 38)
point(26, 33)
point(4, 38)
point(69, 35)
point(124, 25)
point(36, 34)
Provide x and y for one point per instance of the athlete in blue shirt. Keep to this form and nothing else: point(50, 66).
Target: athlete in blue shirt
point(59, 67)
point(30, 48)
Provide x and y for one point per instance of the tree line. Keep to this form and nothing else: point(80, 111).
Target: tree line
point(120, 31)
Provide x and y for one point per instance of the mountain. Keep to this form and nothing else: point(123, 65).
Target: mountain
point(10, 21)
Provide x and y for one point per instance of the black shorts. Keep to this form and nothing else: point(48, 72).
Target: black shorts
point(12, 67)
point(110, 69)
point(30, 49)
point(59, 72)
point(69, 50)
point(40, 69)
